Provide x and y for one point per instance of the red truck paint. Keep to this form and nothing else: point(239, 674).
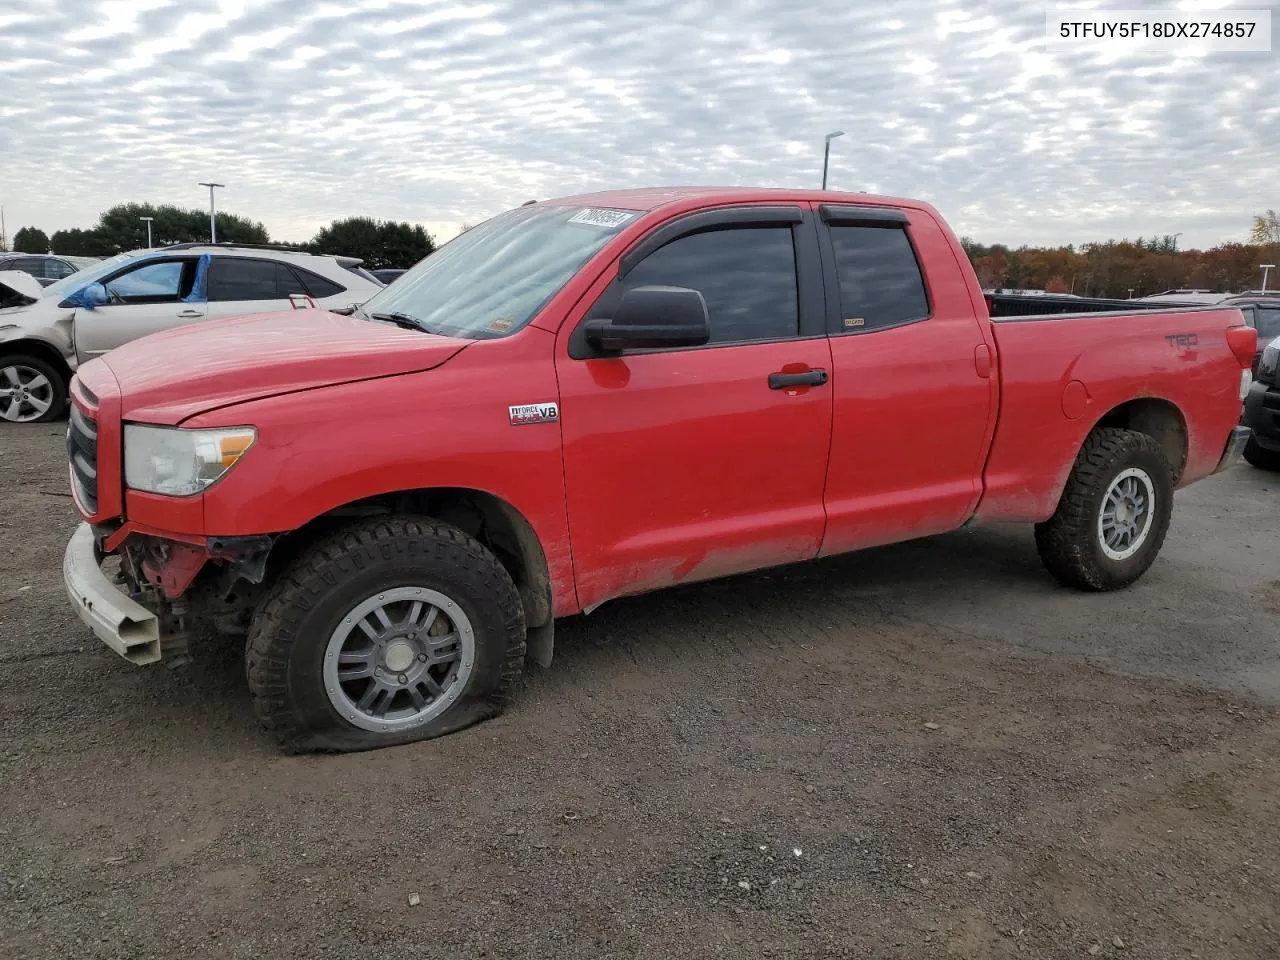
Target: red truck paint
point(920, 429)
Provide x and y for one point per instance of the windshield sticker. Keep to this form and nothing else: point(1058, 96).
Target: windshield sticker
point(599, 217)
point(501, 324)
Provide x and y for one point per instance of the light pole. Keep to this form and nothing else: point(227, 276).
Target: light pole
point(148, 219)
point(213, 223)
point(826, 154)
point(1266, 269)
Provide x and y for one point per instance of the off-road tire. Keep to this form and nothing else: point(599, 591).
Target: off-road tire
point(1259, 456)
point(1069, 544)
point(57, 380)
point(286, 645)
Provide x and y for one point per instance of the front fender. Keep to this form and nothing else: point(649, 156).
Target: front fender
point(57, 336)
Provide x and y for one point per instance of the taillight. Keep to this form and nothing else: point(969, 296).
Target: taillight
point(1243, 342)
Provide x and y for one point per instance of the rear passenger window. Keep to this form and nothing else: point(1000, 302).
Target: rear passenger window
point(880, 280)
point(317, 285)
point(747, 277)
point(235, 278)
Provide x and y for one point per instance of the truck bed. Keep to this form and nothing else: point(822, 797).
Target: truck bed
point(1061, 374)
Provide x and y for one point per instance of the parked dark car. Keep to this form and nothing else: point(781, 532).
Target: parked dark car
point(1262, 312)
point(1262, 410)
point(44, 267)
point(386, 276)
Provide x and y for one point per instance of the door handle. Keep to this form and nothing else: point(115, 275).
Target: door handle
point(807, 378)
point(982, 360)
point(190, 314)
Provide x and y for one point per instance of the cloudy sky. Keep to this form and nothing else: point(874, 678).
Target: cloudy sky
point(443, 113)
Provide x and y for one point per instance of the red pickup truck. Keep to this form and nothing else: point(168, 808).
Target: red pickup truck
point(598, 396)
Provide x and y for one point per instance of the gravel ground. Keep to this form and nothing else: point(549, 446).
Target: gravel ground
point(924, 751)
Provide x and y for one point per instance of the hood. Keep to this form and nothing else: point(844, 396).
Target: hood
point(18, 289)
point(167, 377)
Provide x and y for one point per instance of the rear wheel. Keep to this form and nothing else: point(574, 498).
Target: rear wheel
point(1113, 515)
point(390, 631)
point(32, 390)
point(1260, 457)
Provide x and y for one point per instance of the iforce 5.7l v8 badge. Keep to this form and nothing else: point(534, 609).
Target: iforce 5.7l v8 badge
point(534, 413)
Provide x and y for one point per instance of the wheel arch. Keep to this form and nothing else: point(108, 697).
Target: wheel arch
point(41, 349)
point(1159, 419)
point(494, 522)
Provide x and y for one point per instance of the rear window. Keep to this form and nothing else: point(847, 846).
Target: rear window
point(880, 280)
point(318, 286)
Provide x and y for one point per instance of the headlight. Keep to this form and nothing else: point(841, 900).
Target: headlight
point(179, 462)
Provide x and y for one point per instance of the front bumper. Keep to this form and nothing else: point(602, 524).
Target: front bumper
point(124, 625)
point(1235, 447)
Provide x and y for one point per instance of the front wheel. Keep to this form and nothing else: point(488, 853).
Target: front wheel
point(1259, 456)
point(32, 390)
point(1113, 515)
point(390, 631)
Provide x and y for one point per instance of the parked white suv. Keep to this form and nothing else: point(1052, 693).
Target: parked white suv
point(46, 332)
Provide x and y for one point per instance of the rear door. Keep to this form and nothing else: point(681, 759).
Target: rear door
point(915, 384)
point(243, 285)
point(140, 299)
point(691, 463)
point(56, 269)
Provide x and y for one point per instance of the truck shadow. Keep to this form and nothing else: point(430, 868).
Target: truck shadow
point(976, 568)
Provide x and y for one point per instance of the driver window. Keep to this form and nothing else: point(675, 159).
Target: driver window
point(746, 275)
point(150, 283)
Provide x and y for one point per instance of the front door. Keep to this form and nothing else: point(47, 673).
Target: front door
point(139, 300)
point(686, 464)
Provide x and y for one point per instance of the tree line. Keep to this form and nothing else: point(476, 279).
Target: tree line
point(1123, 268)
point(381, 244)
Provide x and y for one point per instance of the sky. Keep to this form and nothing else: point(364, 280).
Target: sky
point(446, 113)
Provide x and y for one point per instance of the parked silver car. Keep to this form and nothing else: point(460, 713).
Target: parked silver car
point(46, 332)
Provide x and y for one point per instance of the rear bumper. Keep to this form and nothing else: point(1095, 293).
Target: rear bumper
point(1235, 447)
point(124, 625)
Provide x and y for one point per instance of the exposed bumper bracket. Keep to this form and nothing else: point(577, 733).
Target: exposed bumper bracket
point(124, 625)
point(1235, 447)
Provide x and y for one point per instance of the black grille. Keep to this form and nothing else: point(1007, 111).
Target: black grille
point(82, 451)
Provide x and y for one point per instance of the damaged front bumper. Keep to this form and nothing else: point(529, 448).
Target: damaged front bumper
point(123, 624)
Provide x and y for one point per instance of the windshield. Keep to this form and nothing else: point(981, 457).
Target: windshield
point(83, 278)
point(491, 280)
